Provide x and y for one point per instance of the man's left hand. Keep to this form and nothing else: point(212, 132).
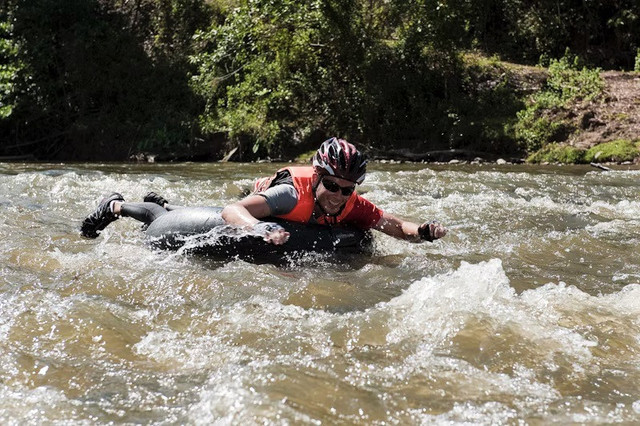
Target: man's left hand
point(430, 231)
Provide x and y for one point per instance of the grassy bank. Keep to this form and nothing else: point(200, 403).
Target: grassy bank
point(576, 114)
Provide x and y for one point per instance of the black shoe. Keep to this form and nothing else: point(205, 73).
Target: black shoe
point(152, 197)
point(99, 219)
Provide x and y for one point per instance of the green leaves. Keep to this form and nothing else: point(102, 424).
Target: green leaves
point(570, 82)
point(566, 83)
point(96, 78)
point(9, 68)
point(273, 74)
point(280, 70)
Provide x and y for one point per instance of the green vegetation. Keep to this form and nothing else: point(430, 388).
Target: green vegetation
point(105, 79)
point(94, 79)
point(567, 82)
point(277, 72)
point(537, 131)
point(618, 150)
point(556, 153)
point(614, 151)
point(8, 69)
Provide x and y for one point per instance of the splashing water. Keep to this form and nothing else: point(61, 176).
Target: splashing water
point(526, 312)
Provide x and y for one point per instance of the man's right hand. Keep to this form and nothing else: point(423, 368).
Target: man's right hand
point(271, 232)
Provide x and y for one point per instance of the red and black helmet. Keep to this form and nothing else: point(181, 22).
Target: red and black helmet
point(337, 157)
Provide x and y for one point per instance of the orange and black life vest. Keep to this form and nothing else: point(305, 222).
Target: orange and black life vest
point(303, 180)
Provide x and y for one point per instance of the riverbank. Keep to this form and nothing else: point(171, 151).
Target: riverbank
point(604, 129)
point(615, 116)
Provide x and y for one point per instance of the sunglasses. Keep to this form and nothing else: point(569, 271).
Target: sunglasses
point(334, 187)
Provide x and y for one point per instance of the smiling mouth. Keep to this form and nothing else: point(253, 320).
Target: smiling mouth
point(331, 206)
point(335, 204)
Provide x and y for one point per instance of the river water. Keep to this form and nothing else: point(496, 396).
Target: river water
point(528, 311)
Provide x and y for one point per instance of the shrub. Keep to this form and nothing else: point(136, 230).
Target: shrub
point(84, 79)
point(567, 82)
point(618, 150)
point(9, 68)
point(535, 131)
point(280, 74)
point(557, 153)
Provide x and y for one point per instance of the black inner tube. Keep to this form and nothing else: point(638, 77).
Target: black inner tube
point(201, 230)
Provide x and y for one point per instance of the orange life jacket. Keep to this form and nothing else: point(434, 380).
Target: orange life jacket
point(303, 178)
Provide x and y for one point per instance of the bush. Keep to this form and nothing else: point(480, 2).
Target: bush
point(526, 30)
point(9, 69)
point(535, 131)
point(557, 153)
point(567, 82)
point(570, 82)
point(279, 74)
point(617, 151)
point(83, 79)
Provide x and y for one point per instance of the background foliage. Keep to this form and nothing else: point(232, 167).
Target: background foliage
point(105, 79)
point(567, 82)
point(96, 79)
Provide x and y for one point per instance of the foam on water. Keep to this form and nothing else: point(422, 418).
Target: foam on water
point(482, 293)
point(527, 312)
point(426, 324)
point(39, 405)
point(557, 322)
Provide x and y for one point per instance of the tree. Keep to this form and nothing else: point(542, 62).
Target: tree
point(93, 80)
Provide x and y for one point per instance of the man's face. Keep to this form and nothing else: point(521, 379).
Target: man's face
point(330, 193)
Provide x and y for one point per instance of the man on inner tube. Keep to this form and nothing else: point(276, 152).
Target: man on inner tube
point(323, 193)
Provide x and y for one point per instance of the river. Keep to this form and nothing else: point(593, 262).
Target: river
point(527, 312)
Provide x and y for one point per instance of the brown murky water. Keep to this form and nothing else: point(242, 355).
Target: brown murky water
point(528, 311)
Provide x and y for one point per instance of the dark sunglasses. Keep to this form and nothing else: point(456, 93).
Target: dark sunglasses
point(334, 187)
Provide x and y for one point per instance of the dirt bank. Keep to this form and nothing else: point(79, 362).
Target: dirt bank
point(614, 115)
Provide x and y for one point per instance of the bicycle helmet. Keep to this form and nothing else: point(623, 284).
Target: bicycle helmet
point(337, 157)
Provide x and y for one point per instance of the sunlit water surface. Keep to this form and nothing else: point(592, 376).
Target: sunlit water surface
point(527, 311)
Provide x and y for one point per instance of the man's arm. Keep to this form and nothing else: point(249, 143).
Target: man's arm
point(406, 230)
point(248, 212)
